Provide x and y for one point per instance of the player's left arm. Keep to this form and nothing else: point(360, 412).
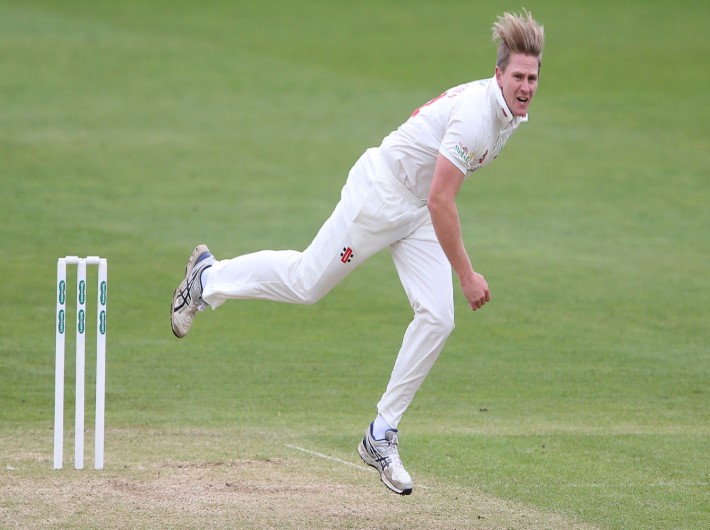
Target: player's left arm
point(445, 187)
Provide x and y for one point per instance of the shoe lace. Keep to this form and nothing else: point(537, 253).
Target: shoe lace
point(195, 287)
point(394, 452)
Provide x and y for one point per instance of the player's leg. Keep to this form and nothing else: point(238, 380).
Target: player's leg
point(370, 216)
point(354, 232)
point(425, 274)
point(284, 275)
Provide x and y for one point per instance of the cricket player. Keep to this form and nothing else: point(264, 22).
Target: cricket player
point(400, 196)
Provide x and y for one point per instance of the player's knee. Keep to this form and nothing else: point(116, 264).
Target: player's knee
point(308, 290)
point(311, 297)
point(441, 323)
point(446, 325)
point(311, 293)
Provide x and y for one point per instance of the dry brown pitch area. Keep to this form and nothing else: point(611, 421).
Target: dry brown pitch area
point(294, 490)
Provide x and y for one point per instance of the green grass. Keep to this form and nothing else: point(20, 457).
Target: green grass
point(136, 129)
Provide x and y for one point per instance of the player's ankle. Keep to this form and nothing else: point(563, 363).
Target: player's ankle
point(380, 427)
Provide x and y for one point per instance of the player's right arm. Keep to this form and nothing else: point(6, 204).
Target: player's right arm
point(445, 187)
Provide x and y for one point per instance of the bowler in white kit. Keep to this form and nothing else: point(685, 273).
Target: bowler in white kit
point(401, 196)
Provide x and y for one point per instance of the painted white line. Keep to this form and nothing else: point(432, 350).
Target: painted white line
point(605, 485)
point(339, 461)
point(332, 459)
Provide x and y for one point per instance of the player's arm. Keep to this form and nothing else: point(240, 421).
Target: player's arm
point(445, 187)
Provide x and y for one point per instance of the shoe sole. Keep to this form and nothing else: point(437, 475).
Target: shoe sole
point(366, 458)
point(196, 253)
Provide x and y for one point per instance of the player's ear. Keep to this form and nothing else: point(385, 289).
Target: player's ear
point(499, 76)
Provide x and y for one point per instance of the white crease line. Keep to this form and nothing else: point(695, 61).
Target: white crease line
point(320, 455)
point(338, 460)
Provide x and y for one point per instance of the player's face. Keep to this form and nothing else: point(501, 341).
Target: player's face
point(519, 82)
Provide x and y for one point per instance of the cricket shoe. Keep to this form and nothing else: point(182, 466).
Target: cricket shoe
point(187, 299)
point(383, 455)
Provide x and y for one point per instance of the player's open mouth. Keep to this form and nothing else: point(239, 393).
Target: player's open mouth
point(523, 100)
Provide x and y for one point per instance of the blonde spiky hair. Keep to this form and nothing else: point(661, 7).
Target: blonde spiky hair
point(518, 34)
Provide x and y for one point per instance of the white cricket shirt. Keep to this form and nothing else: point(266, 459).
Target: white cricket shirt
point(468, 124)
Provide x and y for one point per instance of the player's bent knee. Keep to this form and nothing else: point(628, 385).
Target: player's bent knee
point(446, 327)
point(441, 324)
point(311, 296)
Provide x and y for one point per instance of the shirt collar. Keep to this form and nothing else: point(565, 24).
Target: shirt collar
point(505, 117)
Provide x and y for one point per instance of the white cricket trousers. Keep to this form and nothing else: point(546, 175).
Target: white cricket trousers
point(375, 211)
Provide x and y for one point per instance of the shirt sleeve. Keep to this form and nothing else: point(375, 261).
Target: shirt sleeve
point(463, 141)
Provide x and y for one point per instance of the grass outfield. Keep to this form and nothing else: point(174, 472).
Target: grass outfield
point(577, 399)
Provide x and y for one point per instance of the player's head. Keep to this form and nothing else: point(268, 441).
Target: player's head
point(518, 34)
point(520, 42)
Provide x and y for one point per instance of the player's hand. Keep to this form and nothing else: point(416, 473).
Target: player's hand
point(475, 289)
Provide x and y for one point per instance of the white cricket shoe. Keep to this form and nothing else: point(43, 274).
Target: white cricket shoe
point(187, 298)
point(383, 455)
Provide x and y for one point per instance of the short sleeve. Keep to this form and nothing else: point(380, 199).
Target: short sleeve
point(463, 141)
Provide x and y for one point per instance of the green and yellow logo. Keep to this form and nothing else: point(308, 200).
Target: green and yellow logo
point(102, 322)
point(60, 321)
point(102, 296)
point(82, 323)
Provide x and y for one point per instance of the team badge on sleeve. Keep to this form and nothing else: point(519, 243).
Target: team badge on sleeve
point(464, 153)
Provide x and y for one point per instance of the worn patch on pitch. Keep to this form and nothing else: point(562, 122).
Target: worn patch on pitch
point(283, 494)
